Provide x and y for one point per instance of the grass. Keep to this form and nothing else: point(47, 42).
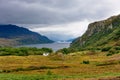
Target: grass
point(27, 77)
point(53, 77)
point(38, 67)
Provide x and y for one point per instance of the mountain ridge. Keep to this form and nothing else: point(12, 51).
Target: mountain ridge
point(99, 33)
point(20, 36)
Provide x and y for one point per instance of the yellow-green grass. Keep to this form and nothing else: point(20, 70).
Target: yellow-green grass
point(66, 66)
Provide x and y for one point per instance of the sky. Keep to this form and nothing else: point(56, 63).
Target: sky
point(57, 19)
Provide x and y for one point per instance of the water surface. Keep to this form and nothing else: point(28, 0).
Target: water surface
point(54, 46)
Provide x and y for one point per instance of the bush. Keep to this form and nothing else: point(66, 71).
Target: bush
point(105, 63)
point(86, 62)
point(117, 48)
point(64, 51)
point(109, 54)
point(106, 48)
point(112, 51)
point(21, 54)
point(93, 49)
point(47, 50)
point(5, 71)
point(4, 53)
point(38, 53)
point(23, 51)
point(49, 72)
point(18, 69)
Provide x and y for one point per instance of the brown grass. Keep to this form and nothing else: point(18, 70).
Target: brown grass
point(71, 65)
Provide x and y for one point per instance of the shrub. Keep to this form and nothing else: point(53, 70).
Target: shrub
point(4, 53)
point(109, 54)
point(49, 72)
point(21, 54)
point(112, 51)
point(93, 49)
point(117, 48)
point(106, 48)
point(47, 50)
point(23, 51)
point(86, 62)
point(73, 50)
point(105, 63)
point(18, 69)
point(64, 51)
point(38, 53)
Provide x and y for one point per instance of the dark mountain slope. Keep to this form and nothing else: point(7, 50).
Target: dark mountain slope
point(21, 35)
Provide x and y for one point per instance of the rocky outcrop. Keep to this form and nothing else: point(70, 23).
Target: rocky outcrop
point(97, 31)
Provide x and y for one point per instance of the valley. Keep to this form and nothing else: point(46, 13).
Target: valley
point(93, 56)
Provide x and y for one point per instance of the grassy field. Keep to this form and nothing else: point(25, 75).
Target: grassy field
point(75, 66)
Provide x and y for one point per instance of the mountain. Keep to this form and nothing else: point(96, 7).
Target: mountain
point(65, 41)
point(70, 40)
point(15, 35)
point(100, 34)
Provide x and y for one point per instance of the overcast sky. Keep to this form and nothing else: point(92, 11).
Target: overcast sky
point(57, 19)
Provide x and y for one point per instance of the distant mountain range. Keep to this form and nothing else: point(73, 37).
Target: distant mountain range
point(15, 35)
point(70, 40)
point(100, 34)
point(66, 41)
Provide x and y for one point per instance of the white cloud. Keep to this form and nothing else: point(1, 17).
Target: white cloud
point(68, 30)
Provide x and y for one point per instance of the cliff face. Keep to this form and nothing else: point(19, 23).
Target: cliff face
point(15, 35)
point(99, 33)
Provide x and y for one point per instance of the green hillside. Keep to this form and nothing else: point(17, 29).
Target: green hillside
point(100, 34)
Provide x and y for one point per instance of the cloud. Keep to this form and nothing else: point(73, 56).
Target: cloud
point(56, 14)
point(55, 11)
point(63, 31)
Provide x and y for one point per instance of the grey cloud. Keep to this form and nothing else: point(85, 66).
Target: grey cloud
point(54, 36)
point(52, 11)
point(35, 14)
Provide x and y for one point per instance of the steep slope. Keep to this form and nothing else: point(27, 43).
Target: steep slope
point(99, 34)
point(12, 34)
